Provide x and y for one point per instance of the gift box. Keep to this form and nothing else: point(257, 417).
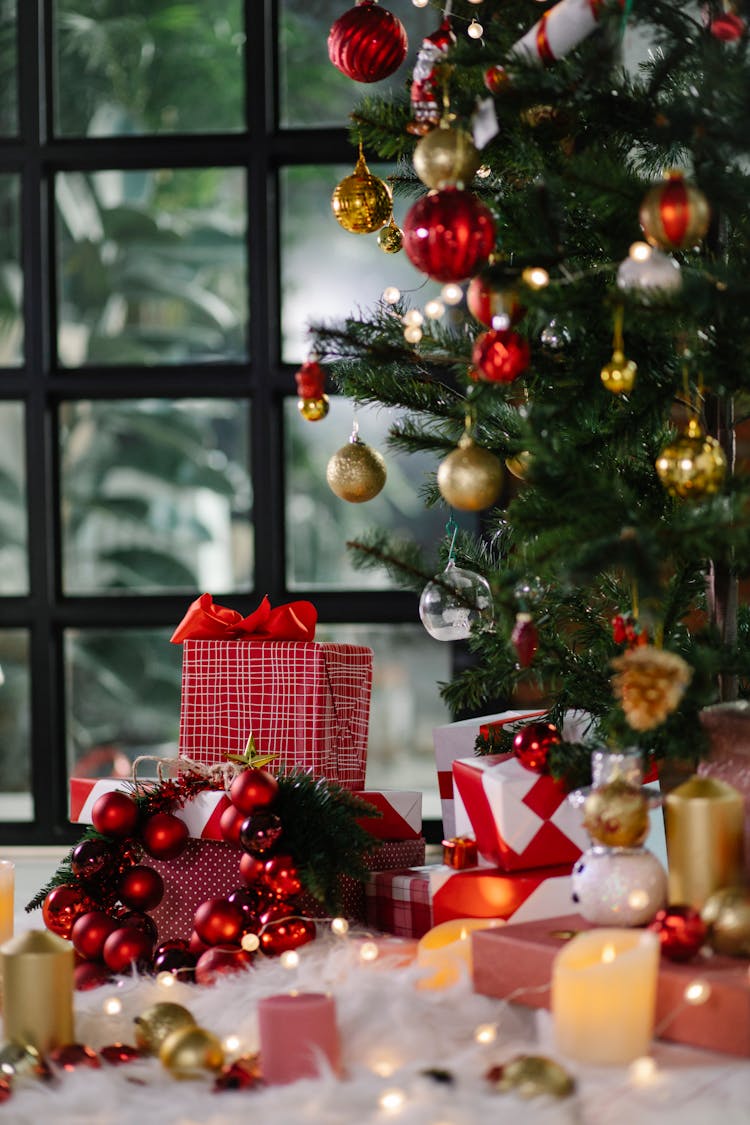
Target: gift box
point(400, 809)
point(515, 962)
point(408, 903)
point(209, 869)
point(520, 819)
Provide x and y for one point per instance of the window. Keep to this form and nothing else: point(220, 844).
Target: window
point(165, 237)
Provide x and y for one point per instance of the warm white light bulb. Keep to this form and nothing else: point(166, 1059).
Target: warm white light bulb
point(391, 295)
point(697, 992)
point(250, 942)
point(166, 980)
point(340, 926)
point(643, 1071)
point(413, 334)
point(535, 277)
point(451, 293)
point(112, 1006)
point(231, 1044)
point(475, 1)
point(640, 251)
point(420, 3)
point(475, 30)
point(289, 959)
point(369, 951)
point(638, 899)
point(392, 1101)
point(434, 309)
point(413, 316)
point(485, 1033)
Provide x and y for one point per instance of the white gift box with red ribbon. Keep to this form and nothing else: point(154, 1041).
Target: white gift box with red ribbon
point(520, 819)
point(400, 809)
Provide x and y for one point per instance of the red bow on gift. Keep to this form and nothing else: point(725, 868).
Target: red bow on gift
point(206, 621)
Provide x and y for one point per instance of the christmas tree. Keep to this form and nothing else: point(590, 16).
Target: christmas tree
point(588, 190)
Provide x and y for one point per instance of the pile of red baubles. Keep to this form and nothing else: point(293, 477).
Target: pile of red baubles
point(104, 910)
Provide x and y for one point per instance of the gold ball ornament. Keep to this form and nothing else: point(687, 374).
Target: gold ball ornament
point(159, 1021)
point(618, 376)
point(675, 214)
point(356, 472)
point(446, 157)
point(694, 465)
point(470, 478)
point(191, 1051)
point(391, 238)
point(533, 1076)
point(616, 815)
point(313, 409)
point(520, 465)
point(362, 203)
point(727, 915)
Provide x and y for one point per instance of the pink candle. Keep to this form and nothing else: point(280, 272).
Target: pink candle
point(298, 1033)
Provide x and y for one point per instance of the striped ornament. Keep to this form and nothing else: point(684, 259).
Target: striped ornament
point(367, 43)
point(674, 215)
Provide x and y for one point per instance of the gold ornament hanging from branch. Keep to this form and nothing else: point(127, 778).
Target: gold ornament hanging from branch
point(692, 466)
point(391, 238)
point(446, 157)
point(618, 376)
point(356, 472)
point(470, 478)
point(362, 203)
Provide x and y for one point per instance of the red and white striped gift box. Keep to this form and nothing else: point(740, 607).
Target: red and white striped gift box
point(308, 703)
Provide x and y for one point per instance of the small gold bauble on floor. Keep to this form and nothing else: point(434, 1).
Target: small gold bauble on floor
point(157, 1022)
point(191, 1051)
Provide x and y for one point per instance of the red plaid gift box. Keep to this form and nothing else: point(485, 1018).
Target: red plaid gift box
point(305, 702)
point(520, 819)
point(409, 903)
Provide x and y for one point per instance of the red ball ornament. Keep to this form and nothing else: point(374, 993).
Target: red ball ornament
point(496, 78)
point(310, 379)
point(449, 234)
point(115, 814)
point(728, 27)
point(217, 921)
point(491, 304)
point(251, 869)
point(533, 743)
point(196, 945)
point(242, 1074)
point(141, 887)
point(118, 1053)
point(282, 877)
point(367, 43)
point(525, 639)
point(219, 962)
point(260, 832)
point(93, 861)
point(137, 920)
point(72, 1055)
point(252, 903)
point(230, 823)
point(5, 1090)
point(179, 962)
point(164, 835)
point(253, 789)
point(90, 974)
point(278, 937)
point(681, 930)
point(90, 931)
point(62, 906)
point(127, 947)
point(675, 214)
point(500, 355)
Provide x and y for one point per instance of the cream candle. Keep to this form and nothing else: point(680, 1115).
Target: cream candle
point(37, 972)
point(297, 1032)
point(604, 995)
point(7, 884)
point(446, 949)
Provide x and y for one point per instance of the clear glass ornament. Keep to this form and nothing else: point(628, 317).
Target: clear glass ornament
point(454, 602)
point(555, 335)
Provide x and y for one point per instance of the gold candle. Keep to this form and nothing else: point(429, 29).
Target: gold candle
point(704, 826)
point(7, 884)
point(37, 972)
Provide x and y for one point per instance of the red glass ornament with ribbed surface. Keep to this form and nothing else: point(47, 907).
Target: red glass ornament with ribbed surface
point(449, 234)
point(367, 43)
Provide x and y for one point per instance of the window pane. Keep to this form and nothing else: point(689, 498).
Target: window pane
point(14, 576)
point(148, 66)
point(8, 69)
point(327, 272)
point(15, 743)
point(318, 523)
point(11, 278)
point(152, 266)
point(155, 496)
point(406, 705)
point(312, 91)
point(123, 699)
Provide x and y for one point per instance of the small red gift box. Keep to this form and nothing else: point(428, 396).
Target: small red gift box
point(516, 961)
point(409, 903)
point(520, 819)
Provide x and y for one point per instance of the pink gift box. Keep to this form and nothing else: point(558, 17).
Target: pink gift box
point(306, 703)
point(408, 903)
point(519, 818)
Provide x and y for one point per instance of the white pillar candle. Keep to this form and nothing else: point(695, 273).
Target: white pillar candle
point(604, 995)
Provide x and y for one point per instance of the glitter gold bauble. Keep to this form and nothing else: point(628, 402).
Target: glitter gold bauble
point(674, 215)
point(618, 376)
point(361, 202)
point(520, 465)
point(356, 472)
point(191, 1051)
point(446, 157)
point(533, 1076)
point(727, 915)
point(694, 465)
point(391, 239)
point(157, 1022)
point(616, 815)
point(313, 409)
point(470, 478)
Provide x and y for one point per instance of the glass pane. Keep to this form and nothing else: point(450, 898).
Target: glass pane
point(123, 699)
point(152, 266)
point(148, 66)
point(14, 575)
point(312, 91)
point(406, 705)
point(318, 523)
point(327, 272)
point(11, 278)
point(8, 69)
point(155, 496)
point(16, 802)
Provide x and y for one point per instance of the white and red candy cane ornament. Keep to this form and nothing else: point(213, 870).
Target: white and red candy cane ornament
point(559, 30)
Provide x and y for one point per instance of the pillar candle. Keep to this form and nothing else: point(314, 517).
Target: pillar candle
point(297, 1032)
point(447, 950)
point(7, 882)
point(37, 972)
point(704, 822)
point(604, 995)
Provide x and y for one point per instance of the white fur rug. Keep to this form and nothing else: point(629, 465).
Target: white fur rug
point(391, 1032)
